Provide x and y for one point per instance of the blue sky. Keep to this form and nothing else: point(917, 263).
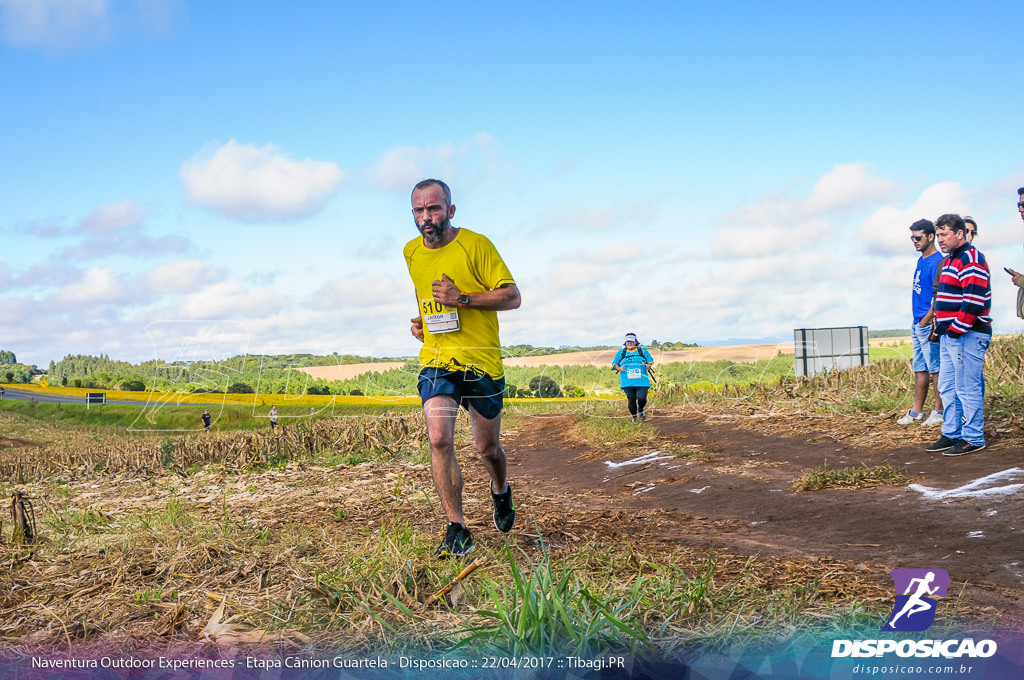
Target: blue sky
point(206, 179)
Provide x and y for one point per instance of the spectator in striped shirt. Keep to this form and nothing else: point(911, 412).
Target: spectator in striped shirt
point(962, 311)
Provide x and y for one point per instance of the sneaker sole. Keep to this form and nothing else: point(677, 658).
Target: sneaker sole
point(446, 554)
point(510, 526)
point(947, 452)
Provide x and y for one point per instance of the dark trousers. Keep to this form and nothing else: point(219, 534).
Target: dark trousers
point(637, 399)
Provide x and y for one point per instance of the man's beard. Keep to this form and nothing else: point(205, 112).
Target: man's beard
point(441, 230)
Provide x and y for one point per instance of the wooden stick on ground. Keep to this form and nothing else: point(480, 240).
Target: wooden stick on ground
point(470, 568)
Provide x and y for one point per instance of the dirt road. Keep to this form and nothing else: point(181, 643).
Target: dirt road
point(963, 515)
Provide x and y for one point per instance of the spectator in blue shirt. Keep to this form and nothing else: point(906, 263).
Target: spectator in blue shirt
point(926, 353)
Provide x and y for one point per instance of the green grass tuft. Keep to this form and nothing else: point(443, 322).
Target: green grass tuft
point(851, 478)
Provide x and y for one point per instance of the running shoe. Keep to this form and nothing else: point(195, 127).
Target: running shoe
point(908, 419)
point(942, 444)
point(934, 418)
point(504, 509)
point(643, 416)
point(458, 542)
point(962, 447)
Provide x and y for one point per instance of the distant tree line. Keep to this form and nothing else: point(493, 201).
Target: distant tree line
point(531, 351)
point(654, 344)
point(240, 374)
point(13, 372)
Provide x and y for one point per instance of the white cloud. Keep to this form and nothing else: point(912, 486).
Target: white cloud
point(258, 184)
point(109, 217)
point(56, 25)
point(699, 299)
point(847, 187)
point(608, 216)
point(584, 269)
point(50, 228)
point(60, 26)
point(772, 238)
point(779, 224)
point(465, 162)
point(96, 285)
point(365, 295)
point(182, 277)
point(887, 230)
point(229, 300)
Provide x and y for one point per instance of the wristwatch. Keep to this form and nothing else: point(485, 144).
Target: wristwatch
point(463, 300)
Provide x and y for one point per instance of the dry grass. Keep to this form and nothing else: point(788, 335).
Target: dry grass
point(78, 451)
point(216, 541)
point(341, 558)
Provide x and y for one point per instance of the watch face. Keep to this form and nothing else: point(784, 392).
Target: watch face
point(464, 299)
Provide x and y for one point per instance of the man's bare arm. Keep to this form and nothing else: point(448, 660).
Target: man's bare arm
point(500, 299)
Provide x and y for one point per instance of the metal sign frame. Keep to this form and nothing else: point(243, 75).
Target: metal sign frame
point(829, 349)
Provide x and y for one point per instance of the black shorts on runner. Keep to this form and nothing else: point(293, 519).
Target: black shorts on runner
point(465, 387)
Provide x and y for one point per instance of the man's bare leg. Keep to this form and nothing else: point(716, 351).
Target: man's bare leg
point(487, 437)
point(938, 397)
point(921, 381)
point(440, 412)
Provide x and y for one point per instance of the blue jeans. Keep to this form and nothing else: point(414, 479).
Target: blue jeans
point(962, 386)
point(926, 354)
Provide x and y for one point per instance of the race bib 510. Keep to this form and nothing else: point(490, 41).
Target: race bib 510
point(438, 318)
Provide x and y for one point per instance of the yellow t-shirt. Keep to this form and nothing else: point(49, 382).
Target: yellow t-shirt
point(472, 262)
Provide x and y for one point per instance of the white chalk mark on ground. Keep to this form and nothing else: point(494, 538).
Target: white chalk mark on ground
point(649, 487)
point(1014, 568)
point(986, 486)
point(700, 490)
point(639, 460)
point(975, 534)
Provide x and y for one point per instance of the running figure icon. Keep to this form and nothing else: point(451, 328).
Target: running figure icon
point(915, 603)
point(918, 587)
